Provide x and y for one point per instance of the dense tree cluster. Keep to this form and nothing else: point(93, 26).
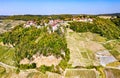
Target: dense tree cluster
point(39, 17)
point(29, 41)
point(44, 68)
point(24, 17)
point(116, 21)
point(104, 27)
point(27, 66)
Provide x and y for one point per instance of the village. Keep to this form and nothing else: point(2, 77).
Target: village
point(55, 24)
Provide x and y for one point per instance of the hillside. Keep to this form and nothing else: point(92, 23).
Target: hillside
point(7, 25)
point(83, 57)
point(72, 50)
point(112, 14)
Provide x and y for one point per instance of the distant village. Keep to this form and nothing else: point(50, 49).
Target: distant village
point(56, 23)
point(53, 23)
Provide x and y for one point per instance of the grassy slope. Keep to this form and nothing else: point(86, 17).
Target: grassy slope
point(114, 47)
point(2, 71)
point(86, 58)
point(82, 48)
point(81, 53)
point(7, 55)
point(30, 73)
point(80, 73)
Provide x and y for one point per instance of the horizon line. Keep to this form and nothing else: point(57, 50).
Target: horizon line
point(61, 14)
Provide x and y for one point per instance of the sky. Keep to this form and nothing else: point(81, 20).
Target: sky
point(47, 7)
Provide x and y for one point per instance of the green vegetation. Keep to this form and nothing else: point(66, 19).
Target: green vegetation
point(24, 17)
point(0, 39)
point(80, 73)
point(40, 17)
point(93, 37)
point(27, 66)
point(7, 55)
point(2, 71)
point(104, 27)
point(114, 48)
point(116, 21)
point(51, 44)
point(114, 64)
point(22, 43)
point(29, 41)
point(64, 64)
point(44, 68)
point(81, 52)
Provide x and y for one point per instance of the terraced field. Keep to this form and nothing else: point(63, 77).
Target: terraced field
point(80, 73)
point(82, 50)
point(112, 73)
point(31, 73)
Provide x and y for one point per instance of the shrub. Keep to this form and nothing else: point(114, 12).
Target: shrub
point(27, 66)
point(44, 68)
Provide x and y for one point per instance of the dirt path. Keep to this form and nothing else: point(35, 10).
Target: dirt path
point(7, 66)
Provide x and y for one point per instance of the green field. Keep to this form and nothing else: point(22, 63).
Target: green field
point(7, 55)
point(80, 73)
point(81, 51)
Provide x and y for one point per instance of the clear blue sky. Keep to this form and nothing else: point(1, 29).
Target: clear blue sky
point(44, 7)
